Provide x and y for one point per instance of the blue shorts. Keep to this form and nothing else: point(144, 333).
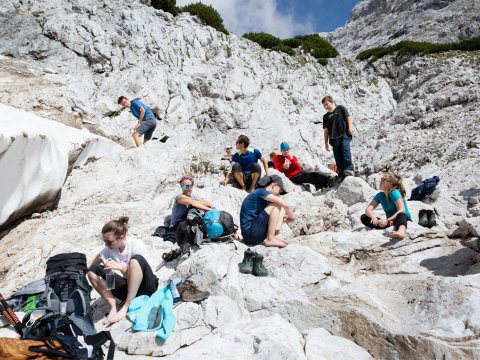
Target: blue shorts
point(258, 231)
point(147, 127)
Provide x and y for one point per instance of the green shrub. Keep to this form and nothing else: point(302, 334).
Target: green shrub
point(166, 5)
point(265, 40)
point(423, 48)
point(318, 47)
point(292, 42)
point(323, 62)
point(207, 13)
point(284, 48)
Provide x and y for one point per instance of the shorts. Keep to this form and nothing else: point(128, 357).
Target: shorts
point(147, 127)
point(147, 287)
point(258, 231)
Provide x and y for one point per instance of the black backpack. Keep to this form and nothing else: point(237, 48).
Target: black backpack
point(67, 290)
point(229, 227)
point(425, 188)
point(53, 326)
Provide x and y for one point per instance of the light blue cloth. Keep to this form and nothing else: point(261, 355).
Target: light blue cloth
point(153, 313)
point(389, 205)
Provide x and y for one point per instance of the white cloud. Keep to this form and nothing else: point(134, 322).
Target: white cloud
point(242, 16)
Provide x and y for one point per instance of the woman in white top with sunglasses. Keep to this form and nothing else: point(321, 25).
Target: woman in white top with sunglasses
point(186, 199)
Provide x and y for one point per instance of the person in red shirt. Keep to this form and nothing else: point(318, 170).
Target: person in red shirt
point(288, 164)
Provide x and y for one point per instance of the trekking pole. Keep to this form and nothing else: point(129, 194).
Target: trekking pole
point(10, 315)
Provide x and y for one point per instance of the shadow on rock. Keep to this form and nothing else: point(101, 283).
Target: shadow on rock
point(456, 264)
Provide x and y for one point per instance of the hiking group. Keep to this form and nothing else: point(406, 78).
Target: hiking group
point(123, 270)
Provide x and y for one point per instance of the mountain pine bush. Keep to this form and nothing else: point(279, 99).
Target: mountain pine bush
point(207, 13)
point(166, 5)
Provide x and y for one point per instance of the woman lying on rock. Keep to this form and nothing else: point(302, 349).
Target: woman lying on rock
point(287, 163)
point(132, 272)
point(392, 198)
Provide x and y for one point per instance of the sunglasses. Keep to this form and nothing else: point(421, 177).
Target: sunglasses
point(186, 187)
point(109, 242)
point(385, 180)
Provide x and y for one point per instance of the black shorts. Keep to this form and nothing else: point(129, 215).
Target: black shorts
point(148, 285)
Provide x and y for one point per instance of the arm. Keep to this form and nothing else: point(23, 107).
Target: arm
point(294, 164)
point(325, 137)
point(265, 165)
point(276, 163)
point(400, 208)
point(227, 176)
point(95, 260)
point(278, 201)
point(350, 125)
point(199, 204)
point(369, 212)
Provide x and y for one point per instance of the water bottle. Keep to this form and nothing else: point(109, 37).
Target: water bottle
point(110, 279)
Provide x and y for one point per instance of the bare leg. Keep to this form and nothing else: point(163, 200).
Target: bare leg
point(145, 140)
point(239, 177)
point(275, 222)
point(101, 286)
point(399, 234)
point(137, 138)
point(134, 278)
point(255, 177)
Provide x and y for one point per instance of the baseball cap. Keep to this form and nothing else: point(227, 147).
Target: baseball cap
point(267, 180)
point(284, 146)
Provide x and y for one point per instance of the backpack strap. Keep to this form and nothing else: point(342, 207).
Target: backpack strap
point(99, 339)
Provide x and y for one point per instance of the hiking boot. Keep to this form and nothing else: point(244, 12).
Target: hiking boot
point(423, 218)
point(349, 173)
point(246, 266)
point(432, 221)
point(258, 268)
point(190, 293)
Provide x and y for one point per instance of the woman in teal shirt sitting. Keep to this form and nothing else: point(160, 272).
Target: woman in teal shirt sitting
point(392, 198)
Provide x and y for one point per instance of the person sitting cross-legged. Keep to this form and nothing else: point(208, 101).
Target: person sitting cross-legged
point(392, 198)
point(263, 212)
point(128, 257)
point(287, 163)
point(246, 170)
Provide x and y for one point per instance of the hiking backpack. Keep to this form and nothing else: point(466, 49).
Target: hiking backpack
point(219, 223)
point(425, 188)
point(67, 290)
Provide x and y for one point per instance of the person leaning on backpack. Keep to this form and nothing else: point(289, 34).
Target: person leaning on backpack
point(130, 258)
point(338, 132)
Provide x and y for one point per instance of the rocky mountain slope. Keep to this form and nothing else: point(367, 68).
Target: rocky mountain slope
point(337, 291)
point(376, 23)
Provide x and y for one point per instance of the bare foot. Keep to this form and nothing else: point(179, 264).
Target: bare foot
point(275, 243)
point(111, 314)
point(396, 235)
point(250, 190)
point(119, 316)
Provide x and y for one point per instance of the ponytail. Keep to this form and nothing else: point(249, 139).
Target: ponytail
point(397, 183)
point(118, 227)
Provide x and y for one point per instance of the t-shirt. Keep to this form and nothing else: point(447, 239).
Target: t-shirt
point(247, 160)
point(135, 106)
point(389, 205)
point(133, 247)
point(179, 211)
point(253, 205)
point(335, 122)
point(294, 168)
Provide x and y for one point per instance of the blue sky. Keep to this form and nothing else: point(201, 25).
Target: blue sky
point(283, 18)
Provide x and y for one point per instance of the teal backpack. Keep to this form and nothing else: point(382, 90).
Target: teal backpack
point(219, 223)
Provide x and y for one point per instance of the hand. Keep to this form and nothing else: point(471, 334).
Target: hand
point(350, 132)
point(383, 223)
point(136, 126)
point(286, 165)
point(222, 182)
point(374, 220)
point(327, 147)
point(113, 265)
point(291, 217)
point(267, 173)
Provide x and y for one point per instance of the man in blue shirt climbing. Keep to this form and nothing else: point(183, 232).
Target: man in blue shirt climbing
point(146, 120)
point(246, 170)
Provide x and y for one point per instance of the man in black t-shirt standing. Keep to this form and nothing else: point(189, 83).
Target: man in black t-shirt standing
point(338, 132)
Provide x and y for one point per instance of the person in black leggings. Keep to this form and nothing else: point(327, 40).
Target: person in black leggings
point(288, 164)
point(392, 198)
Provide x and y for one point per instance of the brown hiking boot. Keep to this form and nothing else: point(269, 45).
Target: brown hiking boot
point(189, 292)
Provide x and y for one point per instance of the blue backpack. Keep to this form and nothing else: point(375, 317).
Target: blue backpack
point(425, 188)
point(219, 223)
